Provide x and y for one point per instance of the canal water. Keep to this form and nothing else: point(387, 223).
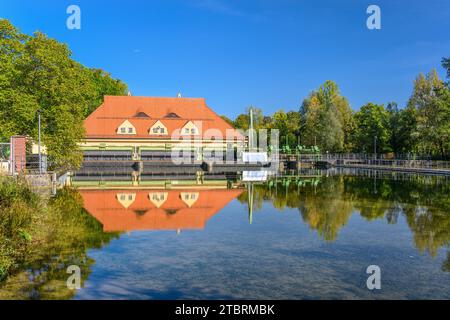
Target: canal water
point(309, 236)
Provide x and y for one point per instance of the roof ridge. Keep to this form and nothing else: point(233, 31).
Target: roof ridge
point(155, 97)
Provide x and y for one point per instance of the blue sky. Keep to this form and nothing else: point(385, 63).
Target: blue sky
point(237, 53)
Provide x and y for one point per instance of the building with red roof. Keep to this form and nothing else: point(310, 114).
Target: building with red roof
point(159, 124)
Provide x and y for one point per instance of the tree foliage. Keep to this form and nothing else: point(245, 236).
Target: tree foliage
point(38, 74)
point(446, 65)
point(430, 102)
point(372, 123)
point(327, 119)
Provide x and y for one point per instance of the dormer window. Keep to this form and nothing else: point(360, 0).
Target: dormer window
point(172, 116)
point(189, 129)
point(158, 128)
point(126, 128)
point(141, 115)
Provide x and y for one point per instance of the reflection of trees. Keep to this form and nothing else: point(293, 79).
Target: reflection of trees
point(327, 207)
point(424, 203)
point(323, 210)
point(63, 235)
point(430, 226)
point(446, 264)
point(318, 205)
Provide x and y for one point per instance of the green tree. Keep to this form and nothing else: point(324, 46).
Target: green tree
point(327, 119)
point(38, 74)
point(402, 122)
point(431, 104)
point(242, 121)
point(407, 125)
point(287, 124)
point(446, 65)
point(294, 125)
point(372, 124)
point(104, 84)
point(227, 120)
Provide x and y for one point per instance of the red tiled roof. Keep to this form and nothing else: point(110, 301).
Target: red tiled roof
point(143, 214)
point(105, 120)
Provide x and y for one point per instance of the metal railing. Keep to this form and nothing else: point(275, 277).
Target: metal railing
point(356, 159)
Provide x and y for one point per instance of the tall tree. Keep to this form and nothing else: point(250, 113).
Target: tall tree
point(327, 119)
point(103, 85)
point(394, 126)
point(38, 74)
point(430, 101)
point(242, 121)
point(446, 65)
point(288, 125)
point(372, 128)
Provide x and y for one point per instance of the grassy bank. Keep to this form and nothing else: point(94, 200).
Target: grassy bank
point(40, 238)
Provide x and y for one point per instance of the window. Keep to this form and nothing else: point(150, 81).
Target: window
point(189, 129)
point(158, 128)
point(172, 116)
point(126, 128)
point(141, 115)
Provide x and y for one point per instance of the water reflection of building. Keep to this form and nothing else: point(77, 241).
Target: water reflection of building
point(131, 209)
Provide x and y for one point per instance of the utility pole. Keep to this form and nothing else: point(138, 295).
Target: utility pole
point(39, 141)
point(251, 137)
point(375, 146)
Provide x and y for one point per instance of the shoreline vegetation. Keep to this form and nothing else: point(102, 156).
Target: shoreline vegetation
point(33, 228)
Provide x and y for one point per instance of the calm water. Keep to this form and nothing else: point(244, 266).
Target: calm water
point(296, 238)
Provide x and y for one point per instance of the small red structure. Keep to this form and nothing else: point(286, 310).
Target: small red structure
point(17, 155)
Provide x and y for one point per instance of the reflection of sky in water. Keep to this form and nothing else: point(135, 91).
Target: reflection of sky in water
point(277, 257)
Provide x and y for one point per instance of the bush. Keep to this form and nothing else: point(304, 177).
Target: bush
point(18, 206)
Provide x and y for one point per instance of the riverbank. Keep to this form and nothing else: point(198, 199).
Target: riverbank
point(33, 227)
